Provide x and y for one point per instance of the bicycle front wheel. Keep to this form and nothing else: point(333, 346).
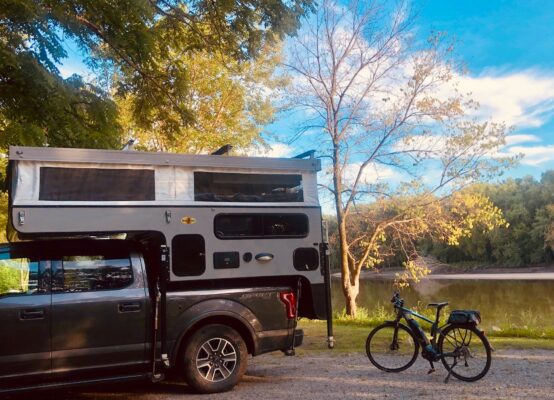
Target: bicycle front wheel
point(465, 352)
point(392, 347)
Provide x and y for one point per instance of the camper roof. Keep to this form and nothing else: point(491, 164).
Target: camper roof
point(67, 155)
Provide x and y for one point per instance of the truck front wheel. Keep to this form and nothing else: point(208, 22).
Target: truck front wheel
point(214, 359)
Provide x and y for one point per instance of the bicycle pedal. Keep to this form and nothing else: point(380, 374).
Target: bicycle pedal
point(431, 371)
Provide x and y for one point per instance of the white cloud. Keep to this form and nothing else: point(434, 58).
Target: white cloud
point(372, 173)
point(529, 147)
point(521, 138)
point(277, 150)
point(523, 99)
point(532, 155)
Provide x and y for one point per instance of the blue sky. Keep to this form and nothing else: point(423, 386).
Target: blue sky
point(508, 47)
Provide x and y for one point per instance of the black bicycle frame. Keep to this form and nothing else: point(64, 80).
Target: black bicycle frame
point(416, 328)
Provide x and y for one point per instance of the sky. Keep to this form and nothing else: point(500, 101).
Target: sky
point(508, 49)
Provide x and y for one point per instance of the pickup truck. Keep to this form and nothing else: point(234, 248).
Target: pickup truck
point(81, 311)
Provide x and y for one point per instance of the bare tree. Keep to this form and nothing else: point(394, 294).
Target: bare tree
point(378, 101)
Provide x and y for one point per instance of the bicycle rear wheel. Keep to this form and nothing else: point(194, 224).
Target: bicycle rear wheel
point(392, 347)
point(465, 352)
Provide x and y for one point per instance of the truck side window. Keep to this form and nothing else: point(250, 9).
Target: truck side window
point(93, 272)
point(266, 226)
point(19, 275)
point(188, 255)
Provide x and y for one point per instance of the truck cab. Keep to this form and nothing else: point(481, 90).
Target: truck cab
point(81, 311)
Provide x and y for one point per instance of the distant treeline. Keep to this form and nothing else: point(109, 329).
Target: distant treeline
point(528, 207)
point(528, 238)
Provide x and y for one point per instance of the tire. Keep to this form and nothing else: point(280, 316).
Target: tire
point(387, 355)
point(214, 359)
point(469, 347)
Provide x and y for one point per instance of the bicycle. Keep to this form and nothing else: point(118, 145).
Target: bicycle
point(462, 348)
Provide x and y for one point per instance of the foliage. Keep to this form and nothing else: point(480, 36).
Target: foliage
point(231, 102)
point(376, 101)
point(390, 230)
point(528, 207)
point(133, 40)
point(3, 216)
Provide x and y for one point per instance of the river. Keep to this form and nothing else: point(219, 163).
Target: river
point(516, 300)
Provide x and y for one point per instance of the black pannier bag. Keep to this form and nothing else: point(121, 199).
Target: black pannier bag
point(464, 317)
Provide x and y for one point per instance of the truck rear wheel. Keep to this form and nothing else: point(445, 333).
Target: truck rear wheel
point(214, 359)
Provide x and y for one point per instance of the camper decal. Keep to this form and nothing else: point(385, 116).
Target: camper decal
point(188, 220)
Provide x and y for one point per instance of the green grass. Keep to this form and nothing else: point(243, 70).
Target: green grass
point(534, 327)
point(350, 334)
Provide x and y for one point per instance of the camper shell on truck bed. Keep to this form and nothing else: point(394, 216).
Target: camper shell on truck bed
point(227, 220)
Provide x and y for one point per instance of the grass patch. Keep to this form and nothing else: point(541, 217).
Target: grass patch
point(350, 336)
point(369, 319)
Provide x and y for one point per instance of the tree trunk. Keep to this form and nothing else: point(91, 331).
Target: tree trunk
point(349, 289)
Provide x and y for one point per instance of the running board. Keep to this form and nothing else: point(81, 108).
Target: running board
point(70, 384)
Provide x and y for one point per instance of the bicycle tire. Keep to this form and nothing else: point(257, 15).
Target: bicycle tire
point(391, 325)
point(447, 334)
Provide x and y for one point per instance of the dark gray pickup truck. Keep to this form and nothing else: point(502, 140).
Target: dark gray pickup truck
point(82, 311)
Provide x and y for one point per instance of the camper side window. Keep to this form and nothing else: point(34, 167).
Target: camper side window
point(267, 226)
point(188, 255)
point(249, 188)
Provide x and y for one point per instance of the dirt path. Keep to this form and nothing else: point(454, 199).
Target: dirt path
point(515, 374)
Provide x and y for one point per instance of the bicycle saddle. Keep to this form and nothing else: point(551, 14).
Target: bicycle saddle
point(438, 305)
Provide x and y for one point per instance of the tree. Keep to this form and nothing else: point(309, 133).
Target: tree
point(134, 40)
point(231, 101)
point(528, 239)
point(391, 229)
point(379, 101)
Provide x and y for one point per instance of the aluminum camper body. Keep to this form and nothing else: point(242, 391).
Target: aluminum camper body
point(222, 216)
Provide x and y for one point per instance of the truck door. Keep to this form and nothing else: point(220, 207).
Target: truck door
point(99, 311)
point(24, 316)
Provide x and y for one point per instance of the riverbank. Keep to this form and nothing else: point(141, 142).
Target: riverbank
point(440, 270)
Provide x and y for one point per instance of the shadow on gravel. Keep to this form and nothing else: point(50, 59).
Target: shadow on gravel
point(111, 391)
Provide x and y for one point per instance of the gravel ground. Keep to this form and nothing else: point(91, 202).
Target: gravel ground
point(515, 374)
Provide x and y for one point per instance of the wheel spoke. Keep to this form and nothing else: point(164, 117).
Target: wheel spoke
point(207, 348)
point(225, 371)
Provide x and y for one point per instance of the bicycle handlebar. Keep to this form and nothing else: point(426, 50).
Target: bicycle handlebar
point(396, 300)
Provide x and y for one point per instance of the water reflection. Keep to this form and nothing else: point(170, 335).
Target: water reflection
point(501, 302)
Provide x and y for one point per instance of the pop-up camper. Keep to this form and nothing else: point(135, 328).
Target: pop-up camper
point(223, 217)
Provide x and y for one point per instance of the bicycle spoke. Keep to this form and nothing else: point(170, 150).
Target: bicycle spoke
point(463, 361)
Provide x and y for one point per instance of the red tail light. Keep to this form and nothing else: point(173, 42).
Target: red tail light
point(289, 298)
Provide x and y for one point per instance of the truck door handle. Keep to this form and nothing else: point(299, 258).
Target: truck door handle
point(264, 257)
point(34, 313)
point(129, 307)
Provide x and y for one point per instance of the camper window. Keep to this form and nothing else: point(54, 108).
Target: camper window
point(96, 184)
point(188, 254)
point(233, 187)
point(267, 226)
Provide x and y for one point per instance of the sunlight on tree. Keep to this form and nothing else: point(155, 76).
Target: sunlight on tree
point(376, 100)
